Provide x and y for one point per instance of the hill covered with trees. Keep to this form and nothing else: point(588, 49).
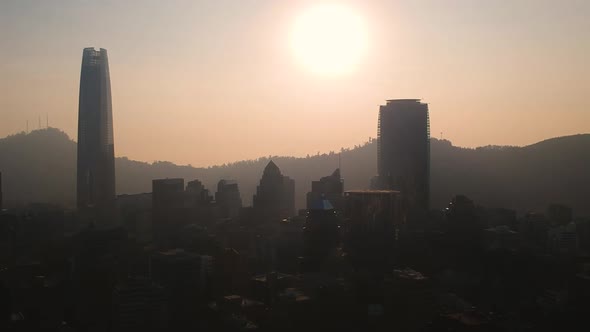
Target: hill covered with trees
point(41, 167)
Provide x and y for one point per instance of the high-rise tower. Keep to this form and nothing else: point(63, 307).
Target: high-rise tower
point(96, 156)
point(275, 196)
point(403, 152)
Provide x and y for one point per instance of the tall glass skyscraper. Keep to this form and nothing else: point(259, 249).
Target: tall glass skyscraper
point(403, 152)
point(96, 155)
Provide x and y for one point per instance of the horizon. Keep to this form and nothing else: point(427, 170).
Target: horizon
point(303, 165)
point(270, 156)
point(201, 90)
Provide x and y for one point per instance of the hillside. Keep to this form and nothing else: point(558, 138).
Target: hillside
point(41, 167)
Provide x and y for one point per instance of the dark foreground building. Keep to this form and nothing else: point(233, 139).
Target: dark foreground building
point(372, 222)
point(228, 198)
point(403, 152)
point(96, 156)
point(329, 188)
point(168, 213)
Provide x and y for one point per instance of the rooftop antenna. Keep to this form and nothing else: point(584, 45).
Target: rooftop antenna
point(27, 130)
point(47, 120)
point(39, 122)
point(340, 164)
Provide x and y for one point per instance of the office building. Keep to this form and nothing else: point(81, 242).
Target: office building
point(321, 233)
point(96, 156)
point(228, 198)
point(1, 206)
point(403, 152)
point(196, 194)
point(372, 222)
point(185, 276)
point(328, 188)
point(275, 196)
point(168, 214)
point(139, 305)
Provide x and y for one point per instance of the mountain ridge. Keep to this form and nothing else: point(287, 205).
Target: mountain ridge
point(40, 167)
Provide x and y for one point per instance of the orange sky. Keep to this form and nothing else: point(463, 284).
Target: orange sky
point(208, 82)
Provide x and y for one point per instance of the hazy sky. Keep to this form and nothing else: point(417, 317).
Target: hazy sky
point(208, 82)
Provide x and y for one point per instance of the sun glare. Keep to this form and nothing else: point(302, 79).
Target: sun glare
point(329, 39)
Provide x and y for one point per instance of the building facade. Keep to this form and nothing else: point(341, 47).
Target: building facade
point(275, 196)
point(96, 156)
point(372, 222)
point(403, 152)
point(168, 213)
point(228, 198)
point(328, 188)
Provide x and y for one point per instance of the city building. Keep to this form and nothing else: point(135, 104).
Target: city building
point(196, 194)
point(228, 198)
point(372, 222)
point(1, 206)
point(96, 156)
point(135, 211)
point(139, 305)
point(403, 152)
point(174, 208)
point(559, 214)
point(321, 233)
point(199, 207)
point(168, 214)
point(100, 260)
point(563, 239)
point(185, 277)
point(275, 196)
point(167, 193)
point(327, 188)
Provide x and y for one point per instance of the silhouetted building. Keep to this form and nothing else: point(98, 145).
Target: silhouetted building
point(96, 156)
point(559, 214)
point(463, 227)
point(275, 196)
point(372, 221)
point(167, 193)
point(199, 206)
point(1, 206)
point(228, 198)
point(321, 233)
point(500, 238)
point(174, 208)
point(563, 239)
point(100, 261)
point(329, 188)
point(167, 210)
point(185, 277)
point(139, 305)
point(136, 215)
point(403, 152)
point(196, 194)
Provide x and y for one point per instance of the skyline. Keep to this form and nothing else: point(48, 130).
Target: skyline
point(170, 90)
point(301, 165)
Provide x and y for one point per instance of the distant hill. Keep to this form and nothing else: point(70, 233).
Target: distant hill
point(41, 167)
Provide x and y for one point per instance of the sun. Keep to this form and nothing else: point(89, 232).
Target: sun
point(329, 39)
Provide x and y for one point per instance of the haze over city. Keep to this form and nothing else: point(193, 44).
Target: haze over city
point(218, 81)
point(257, 165)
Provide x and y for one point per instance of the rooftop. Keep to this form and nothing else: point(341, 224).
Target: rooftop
point(403, 101)
point(167, 180)
point(371, 192)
